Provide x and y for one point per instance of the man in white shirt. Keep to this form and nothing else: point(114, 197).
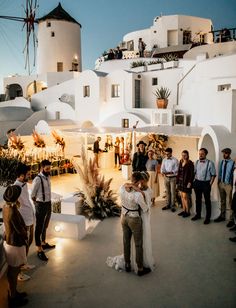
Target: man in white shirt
point(132, 201)
point(169, 168)
point(27, 212)
point(41, 195)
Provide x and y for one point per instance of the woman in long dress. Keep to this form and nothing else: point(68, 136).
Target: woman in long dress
point(118, 262)
point(151, 166)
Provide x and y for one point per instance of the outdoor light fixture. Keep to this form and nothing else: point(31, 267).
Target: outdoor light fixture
point(58, 228)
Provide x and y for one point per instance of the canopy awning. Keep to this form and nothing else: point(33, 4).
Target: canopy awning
point(185, 131)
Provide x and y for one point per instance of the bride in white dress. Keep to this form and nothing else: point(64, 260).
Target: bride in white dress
point(118, 262)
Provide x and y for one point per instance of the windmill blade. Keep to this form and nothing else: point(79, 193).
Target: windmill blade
point(28, 25)
point(34, 45)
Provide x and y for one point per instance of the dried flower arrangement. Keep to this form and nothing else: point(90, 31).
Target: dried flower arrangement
point(100, 200)
point(38, 140)
point(58, 140)
point(15, 142)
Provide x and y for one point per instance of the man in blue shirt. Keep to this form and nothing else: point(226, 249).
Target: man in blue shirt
point(205, 174)
point(225, 185)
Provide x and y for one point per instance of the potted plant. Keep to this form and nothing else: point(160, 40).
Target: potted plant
point(162, 95)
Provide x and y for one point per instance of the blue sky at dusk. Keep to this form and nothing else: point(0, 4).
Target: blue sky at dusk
point(104, 23)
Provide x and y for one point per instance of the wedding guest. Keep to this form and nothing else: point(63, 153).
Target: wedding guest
point(141, 47)
point(41, 195)
point(121, 150)
point(119, 53)
point(140, 157)
point(205, 174)
point(225, 186)
point(117, 152)
point(27, 212)
point(152, 168)
point(169, 169)
point(132, 201)
point(184, 182)
point(15, 243)
point(96, 150)
point(233, 239)
point(111, 54)
point(122, 146)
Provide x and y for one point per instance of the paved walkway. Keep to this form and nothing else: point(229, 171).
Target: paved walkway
point(195, 268)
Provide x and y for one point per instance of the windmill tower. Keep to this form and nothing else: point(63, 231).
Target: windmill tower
point(59, 42)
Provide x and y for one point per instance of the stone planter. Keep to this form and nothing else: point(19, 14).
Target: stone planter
point(162, 103)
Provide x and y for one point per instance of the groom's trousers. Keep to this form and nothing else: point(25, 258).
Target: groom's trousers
point(133, 226)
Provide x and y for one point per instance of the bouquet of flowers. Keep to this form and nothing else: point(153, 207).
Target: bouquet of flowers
point(58, 140)
point(15, 142)
point(38, 140)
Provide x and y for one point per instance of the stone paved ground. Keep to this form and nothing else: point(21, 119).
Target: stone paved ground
point(195, 266)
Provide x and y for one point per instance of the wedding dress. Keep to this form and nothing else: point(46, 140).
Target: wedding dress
point(118, 262)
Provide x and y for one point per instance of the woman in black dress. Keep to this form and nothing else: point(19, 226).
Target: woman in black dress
point(185, 178)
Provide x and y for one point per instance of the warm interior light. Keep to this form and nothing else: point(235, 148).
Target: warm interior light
point(57, 228)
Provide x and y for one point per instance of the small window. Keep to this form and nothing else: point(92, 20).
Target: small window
point(125, 123)
point(86, 91)
point(48, 24)
point(154, 81)
point(202, 38)
point(60, 66)
point(224, 87)
point(52, 34)
point(115, 90)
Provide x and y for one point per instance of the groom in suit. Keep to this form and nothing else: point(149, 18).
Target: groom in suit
point(132, 201)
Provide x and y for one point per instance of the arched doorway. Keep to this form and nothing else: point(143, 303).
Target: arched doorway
point(207, 143)
point(35, 87)
point(13, 90)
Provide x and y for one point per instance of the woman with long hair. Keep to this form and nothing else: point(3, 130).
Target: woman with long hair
point(184, 182)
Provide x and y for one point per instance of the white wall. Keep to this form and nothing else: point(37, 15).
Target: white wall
point(63, 47)
point(157, 34)
point(166, 78)
point(178, 144)
point(113, 105)
point(201, 97)
point(17, 102)
point(114, 65)
point(88, 108)
point(65, 111)
point(50, 79)
point(52, 94)
point(212, 50)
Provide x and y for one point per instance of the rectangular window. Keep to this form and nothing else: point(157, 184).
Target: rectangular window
point(48, 24)
point(202, 38)
point(224, 87)
point(52, 34)
point(60, 66)
point(125, 123)
point(86, 91)
point(154, 81)
point(115, 90)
